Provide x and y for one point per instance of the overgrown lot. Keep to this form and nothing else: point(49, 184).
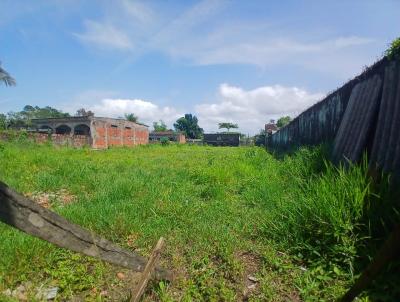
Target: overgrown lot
point(226, 213)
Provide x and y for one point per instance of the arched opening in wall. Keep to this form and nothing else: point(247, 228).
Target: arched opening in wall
point(45, 128)
point(63, 129)
point(82, 130)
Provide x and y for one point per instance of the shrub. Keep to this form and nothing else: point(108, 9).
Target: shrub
point(393, 52)
point(164, 141)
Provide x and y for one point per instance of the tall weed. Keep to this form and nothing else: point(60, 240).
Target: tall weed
point(319, 220)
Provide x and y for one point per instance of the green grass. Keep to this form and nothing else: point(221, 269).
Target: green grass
point(296, 219)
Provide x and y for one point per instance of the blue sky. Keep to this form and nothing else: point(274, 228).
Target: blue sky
point(237, 61)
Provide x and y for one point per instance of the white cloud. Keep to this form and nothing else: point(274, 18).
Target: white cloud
point(203, 36)
point(108, 103)
point(105, 35)
point(138, 11)
point(86, 98)
point(147, 112)
point(251, 109)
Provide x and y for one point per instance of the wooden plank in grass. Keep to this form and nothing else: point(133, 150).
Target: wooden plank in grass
point(31, 218)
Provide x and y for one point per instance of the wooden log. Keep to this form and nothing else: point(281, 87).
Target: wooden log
point(148, 271)
point(31, 218)
point(389, 250)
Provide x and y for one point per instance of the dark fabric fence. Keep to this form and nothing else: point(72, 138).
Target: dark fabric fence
point(361, 116)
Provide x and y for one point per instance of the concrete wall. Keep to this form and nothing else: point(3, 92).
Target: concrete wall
point(361, 116)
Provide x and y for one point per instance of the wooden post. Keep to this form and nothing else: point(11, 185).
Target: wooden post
point(31, 218)
point(389, 250)
point(146, 275)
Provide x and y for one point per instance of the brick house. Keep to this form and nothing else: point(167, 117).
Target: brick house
point(271, 128)
point(100, 132)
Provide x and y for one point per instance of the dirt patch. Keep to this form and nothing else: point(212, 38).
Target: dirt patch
point(118, 286)
point(47, 199)
point(251, 266)
point(131, 240)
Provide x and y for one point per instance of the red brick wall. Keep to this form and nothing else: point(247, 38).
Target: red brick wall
point(70, 140)
point(40, 138)
point(114, 136)
point(61, 139)
point(128, 137)
point(100, 137)
point(124, 135)
point(181, 139)
point(142, 137)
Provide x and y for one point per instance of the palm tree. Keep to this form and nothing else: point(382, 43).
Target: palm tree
point(6, 78)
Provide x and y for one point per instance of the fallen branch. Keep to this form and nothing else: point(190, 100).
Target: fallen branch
point(147, 273)
point(31, 218)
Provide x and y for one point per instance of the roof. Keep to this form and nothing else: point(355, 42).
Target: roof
point(169, 132)
point(86, 117)
point(272, 127)
point(61, 118)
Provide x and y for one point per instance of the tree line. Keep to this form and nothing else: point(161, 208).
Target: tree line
point(187, 124)
point(23, 119)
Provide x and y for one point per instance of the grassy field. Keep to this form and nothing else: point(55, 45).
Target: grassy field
point(226, 214)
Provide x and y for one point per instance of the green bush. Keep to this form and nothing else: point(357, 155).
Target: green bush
point(164, 141)
point(393, 52)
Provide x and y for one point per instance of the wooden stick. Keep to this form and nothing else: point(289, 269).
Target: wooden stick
point(389, 250)
point(146, 275)
point(31, 218)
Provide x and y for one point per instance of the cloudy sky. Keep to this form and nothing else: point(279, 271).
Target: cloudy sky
point(224, 61)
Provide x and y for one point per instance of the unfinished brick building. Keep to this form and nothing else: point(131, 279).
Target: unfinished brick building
point(100, 132)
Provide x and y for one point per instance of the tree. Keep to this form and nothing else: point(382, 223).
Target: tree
point(22, 119)
point(84, 112)
point(227, 126)
point(283, 121)
point(189, 125)
point(6, 78)
point(159, 126)
point(3, 121)
point(394, 49)
point(131, 117)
